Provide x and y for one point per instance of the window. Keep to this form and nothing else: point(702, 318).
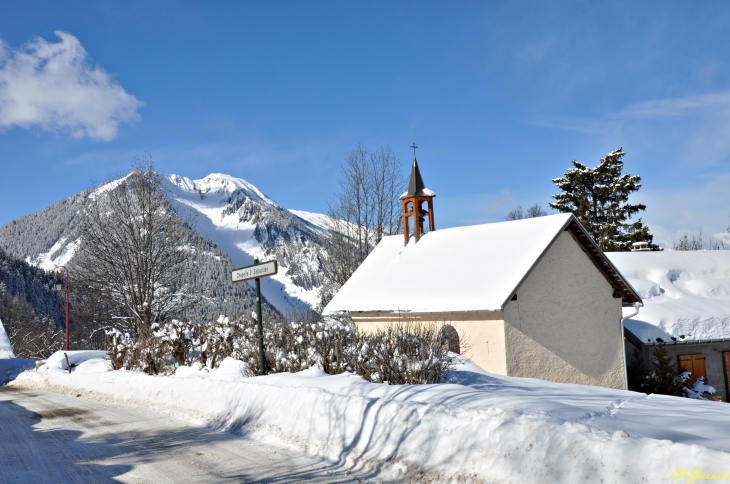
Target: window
point(450, 339)
point(695, 364)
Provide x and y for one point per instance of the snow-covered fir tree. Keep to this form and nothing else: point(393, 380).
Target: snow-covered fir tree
point(599, 198)
point(661, 375)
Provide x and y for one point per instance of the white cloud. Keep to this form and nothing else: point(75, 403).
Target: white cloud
point(699, 205)
point(53, 87)
point(682, 106)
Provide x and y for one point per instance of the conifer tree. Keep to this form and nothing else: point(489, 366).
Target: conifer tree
point(661, 377)
point(599, 198)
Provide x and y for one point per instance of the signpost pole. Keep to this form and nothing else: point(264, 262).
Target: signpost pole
point(260, 325)
point(257, 271)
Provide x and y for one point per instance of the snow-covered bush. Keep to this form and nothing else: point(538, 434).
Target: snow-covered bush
point(699, 390)
point(161, 352)
point(406, 353)
point(212, 342)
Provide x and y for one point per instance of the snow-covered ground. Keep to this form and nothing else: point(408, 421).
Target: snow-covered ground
point(6, 349)
point(686, 294)
point(49, 437)
point(10, 367)
point(487, 428)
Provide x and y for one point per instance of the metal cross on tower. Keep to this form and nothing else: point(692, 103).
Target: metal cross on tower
point(414, 148)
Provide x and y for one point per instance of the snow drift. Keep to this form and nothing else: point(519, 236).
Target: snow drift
point(6, 349)
point(686, 294)
point(487, 429)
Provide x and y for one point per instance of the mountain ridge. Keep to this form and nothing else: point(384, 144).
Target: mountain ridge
point(232, 216)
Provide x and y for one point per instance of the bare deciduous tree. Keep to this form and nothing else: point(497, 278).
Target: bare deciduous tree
point(366, 208)
point(697, 242)
point(133, 251)
point(30, 335)
point(518, 213)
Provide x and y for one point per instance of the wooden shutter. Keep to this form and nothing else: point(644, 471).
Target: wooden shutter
point(726, 367)
point(685, 364)
point(694, 364)
point(698, 363)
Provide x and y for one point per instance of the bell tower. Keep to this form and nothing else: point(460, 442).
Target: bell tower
point(413, 204)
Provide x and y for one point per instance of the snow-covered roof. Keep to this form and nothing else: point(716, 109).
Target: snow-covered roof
point(686, 294)
point(474, 268)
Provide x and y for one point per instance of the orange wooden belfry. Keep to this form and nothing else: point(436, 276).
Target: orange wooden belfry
point(413, 201)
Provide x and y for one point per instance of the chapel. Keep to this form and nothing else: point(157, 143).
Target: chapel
point(530, 298)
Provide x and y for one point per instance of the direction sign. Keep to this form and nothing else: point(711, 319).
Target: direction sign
point(255, 271)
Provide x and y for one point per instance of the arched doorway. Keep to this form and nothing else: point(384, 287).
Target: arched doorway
point(450, 339)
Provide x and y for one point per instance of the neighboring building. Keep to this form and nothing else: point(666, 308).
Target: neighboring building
point(531, 298)
point(687, 308)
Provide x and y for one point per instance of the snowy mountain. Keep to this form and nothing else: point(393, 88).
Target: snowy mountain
point(233, 217)
point(246, 224)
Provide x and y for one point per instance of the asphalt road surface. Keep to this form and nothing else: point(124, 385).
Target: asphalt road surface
point(49, 437)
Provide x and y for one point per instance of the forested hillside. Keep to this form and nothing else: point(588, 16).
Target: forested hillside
point(31, 310)
point(19, 279)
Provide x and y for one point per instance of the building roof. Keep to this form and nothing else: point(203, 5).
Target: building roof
point(686, 295)
point(474, 268)
point(416, 187)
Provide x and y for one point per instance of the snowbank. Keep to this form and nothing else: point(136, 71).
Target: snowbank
point(490, 428)
point(686, 294)
point(57, 362)
point(6, 349)
point(10, 368)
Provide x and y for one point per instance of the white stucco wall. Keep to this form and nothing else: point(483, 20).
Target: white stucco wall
point(481, 333)
point(565, 324)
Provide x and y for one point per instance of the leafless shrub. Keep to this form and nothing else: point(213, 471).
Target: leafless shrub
point(149, 354)
point(404, 354)
point(407, 353)
point(30, 336)
point(698, 242)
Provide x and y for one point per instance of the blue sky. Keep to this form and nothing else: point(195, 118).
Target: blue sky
point(499, 96)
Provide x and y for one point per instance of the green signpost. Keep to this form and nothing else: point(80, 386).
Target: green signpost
point(257, 271)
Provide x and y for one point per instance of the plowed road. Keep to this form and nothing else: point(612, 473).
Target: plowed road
point(48, 437)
